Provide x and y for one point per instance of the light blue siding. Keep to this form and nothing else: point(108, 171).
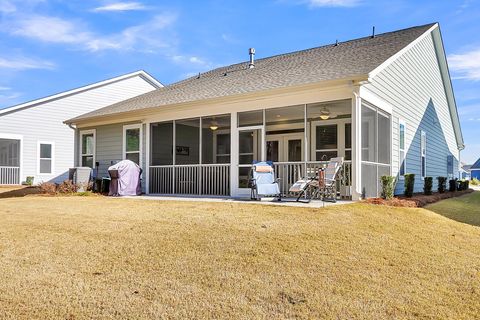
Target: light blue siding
point(413, 85)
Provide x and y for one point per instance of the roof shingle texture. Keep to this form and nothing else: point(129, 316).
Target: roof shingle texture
point(330, 62)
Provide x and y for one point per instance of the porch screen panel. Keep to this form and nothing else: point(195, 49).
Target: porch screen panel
point(161, 143)
point(187, 141)
point(9, 153)
point(216, 139)
point(376, 149)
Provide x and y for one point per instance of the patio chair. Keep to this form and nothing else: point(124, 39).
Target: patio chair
point(263, 181)
point(331, 174)
point(308, 187)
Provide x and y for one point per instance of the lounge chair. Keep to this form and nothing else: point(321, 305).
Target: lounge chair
point(263, 181)
point(331, 175)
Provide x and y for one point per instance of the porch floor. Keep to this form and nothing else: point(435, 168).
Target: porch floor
point(265, 201)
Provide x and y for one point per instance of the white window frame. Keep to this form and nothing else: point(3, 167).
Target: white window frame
point(124, 142)
point(52, 159)
point(80, 154)
point(402, 123)
point(423, 153)
point(340, 137)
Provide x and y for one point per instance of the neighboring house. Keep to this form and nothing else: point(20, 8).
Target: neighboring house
point(35, 142)
point(384, 103)
point(475, 170)
point(465, 171)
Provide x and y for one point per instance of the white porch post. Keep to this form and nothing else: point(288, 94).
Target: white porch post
point(147, 158)
point(356, 145)
point(233, 154)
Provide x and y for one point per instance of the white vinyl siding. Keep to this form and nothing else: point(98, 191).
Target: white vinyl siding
point(413, 85)
point(44, 122)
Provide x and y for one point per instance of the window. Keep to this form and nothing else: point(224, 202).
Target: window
point(423, 150)
point(87, 148)
point(45, 158)
point(326, 142)
point(132, 142)
point(401, 135)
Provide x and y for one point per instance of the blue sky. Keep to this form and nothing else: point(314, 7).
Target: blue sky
point(48, 46)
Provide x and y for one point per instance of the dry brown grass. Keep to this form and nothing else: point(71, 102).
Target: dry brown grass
point(75, 258)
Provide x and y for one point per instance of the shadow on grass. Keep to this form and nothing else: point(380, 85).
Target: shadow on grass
point(465, 209)
point(18, 192)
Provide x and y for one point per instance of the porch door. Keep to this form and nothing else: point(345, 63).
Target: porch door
point(285, 147)
point(250, 149)
point(9, 161)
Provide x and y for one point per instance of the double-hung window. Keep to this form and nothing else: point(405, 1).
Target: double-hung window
point(423, 151)
point(87, 148)
point(132, 142)
point(45, 157)
point(402, 154)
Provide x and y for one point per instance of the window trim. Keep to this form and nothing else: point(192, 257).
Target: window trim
point(52, 158)
point(423, 147)
point(400, 123)
point(80, 154)
point(124, 142)
point(341, 149)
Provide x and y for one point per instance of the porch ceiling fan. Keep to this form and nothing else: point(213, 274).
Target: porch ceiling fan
point(325, 114)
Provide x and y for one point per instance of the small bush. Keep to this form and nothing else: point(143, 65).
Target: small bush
point(388, 186)
point(48, 188)
point(29, 181)
point(67, 187)
point(409, 184)
point(452, 185)
point(475, 182)
point(442, 184)
point(463, 185)
point(427, 185)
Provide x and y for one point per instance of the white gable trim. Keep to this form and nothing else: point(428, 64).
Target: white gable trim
point(142, 74)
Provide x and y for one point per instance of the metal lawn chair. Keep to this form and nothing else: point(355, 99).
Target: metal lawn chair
point(263, 181)
point(331, 174)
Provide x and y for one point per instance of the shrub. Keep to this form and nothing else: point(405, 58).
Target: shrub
point(442, 184)
point(475, 182)
point(67, 187)
point(427, 185)
point(29, 181)
point(48, 188)
point(452, 185)
point(388, 185)
point(463, 185)
point(409, 184)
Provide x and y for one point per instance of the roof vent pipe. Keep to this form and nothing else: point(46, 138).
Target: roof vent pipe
point(251, 52)
point(373, 32)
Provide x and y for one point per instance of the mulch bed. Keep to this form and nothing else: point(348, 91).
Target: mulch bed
point(418, 200)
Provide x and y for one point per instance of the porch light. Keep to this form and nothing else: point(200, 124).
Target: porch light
point(214, 126)
point(324, 114)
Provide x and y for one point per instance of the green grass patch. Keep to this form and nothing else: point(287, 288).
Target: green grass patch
point(464, 209)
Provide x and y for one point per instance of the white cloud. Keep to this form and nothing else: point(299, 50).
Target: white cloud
point(465, 65)
point(333, 3)
point(22, 63)
point(7, 7)
point(56, 30)
point(121, 6)
point(5, 88)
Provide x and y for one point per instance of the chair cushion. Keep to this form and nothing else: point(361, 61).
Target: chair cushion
point(271, 189)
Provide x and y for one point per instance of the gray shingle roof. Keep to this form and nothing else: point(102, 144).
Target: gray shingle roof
point(331, 62)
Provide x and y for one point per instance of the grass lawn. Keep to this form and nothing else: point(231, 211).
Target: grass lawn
point(464, 209)
point(95, 257)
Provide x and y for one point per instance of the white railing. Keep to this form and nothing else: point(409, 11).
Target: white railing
point(289, 172)
point(9, 175)
point(205, 179)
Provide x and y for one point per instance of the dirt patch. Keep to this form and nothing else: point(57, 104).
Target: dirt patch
point(18, 191)
point(418, 200)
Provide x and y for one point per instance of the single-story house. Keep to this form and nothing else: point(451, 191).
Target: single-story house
point(35, 142)
point(383, 102)
point(475, 170)
point(465, 171)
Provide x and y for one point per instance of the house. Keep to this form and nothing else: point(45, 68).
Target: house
point(475, 170)
point(34, 141)
point(465, 171)
point(384, 103)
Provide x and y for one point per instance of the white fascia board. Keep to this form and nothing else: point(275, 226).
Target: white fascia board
point(144, 75)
